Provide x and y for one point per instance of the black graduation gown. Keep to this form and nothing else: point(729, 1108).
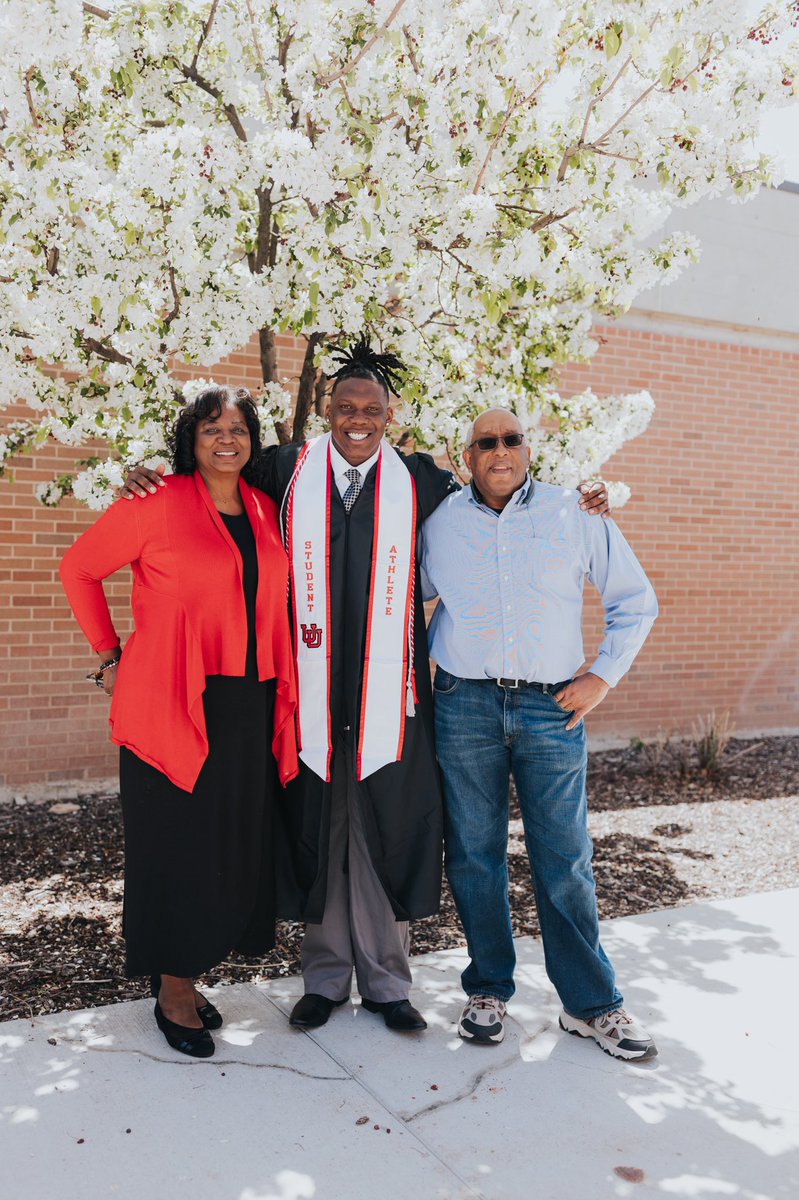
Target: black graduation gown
point(401, 804)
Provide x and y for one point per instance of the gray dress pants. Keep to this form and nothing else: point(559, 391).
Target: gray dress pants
point(359, 927)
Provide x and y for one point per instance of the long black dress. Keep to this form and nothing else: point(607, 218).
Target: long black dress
point(199, 866)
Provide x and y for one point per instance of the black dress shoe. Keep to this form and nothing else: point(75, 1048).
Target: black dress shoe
point(397, 1014)
point(196, 1042)
point(208, 1013)
point(313, 1010)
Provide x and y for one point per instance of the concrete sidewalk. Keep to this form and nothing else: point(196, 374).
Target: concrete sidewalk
point(94, 1105)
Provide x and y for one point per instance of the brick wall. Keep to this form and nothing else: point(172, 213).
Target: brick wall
point(713, 519)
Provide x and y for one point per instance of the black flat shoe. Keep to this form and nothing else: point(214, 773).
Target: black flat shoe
point(399, 1015)
point(196, 1042)
point(210, 1016)
point(312, 1010)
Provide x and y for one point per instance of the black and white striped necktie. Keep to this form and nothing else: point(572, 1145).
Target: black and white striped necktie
point(354, 490)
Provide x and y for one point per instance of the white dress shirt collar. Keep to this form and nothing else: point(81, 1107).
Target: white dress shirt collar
point(340, 467)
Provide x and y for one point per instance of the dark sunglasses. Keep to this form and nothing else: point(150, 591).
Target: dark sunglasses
point(510, 440)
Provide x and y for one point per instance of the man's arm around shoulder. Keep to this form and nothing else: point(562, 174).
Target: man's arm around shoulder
point(433, 483)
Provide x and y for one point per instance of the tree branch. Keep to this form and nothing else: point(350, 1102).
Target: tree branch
point(592, 104)
point(96, 12)
point(424, 243)
point(192, 74)
point(495, 140)
point(551, 219)
point(175, 310)
point(106, 353)
point(411, 49)
point(29, 74)
point(324, 80)
point(535, 212)
point(259, 54)
point(282, 58)
point(598, 141)
point(205, 31)
point(455, 469)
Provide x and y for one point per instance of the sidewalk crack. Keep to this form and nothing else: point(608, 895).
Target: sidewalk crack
point(187, 1061)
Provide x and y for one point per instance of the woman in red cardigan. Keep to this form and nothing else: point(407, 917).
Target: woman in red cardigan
point(203, 706)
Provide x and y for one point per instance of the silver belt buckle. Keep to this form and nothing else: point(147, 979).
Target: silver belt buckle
point(513, 684)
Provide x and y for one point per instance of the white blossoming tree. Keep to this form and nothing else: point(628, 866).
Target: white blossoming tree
point(474, 180)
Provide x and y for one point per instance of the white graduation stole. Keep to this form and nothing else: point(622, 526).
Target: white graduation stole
point(387, 695)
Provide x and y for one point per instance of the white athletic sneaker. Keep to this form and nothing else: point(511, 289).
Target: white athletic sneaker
point(482, 1020)
point(616, 1032)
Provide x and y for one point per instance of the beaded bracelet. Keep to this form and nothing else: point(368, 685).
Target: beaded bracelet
point(97, 676)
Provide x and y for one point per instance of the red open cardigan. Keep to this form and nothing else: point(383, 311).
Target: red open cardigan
point(190, 618)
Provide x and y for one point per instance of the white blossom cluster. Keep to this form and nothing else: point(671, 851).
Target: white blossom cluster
point(473, 180)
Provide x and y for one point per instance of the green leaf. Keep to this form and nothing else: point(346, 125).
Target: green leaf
point(491, 305)
point(612, 40)
point(313, 294)
point(367, 229)
point(97, 307)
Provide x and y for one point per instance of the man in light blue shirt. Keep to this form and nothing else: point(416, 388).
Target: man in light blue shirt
point(508, 558)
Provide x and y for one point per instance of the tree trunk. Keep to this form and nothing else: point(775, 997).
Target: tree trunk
point(268, 350)
point(320, 400)
point(305, 392)
point(266, 345)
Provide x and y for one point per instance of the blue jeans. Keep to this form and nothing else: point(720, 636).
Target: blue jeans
point(485, 733)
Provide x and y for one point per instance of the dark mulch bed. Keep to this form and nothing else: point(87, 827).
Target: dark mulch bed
point(58, 956)
point(669, 773)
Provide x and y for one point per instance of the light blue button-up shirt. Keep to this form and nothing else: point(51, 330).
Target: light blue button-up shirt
point(511, 587)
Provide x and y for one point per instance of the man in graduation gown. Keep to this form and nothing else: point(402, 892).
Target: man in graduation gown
point(365, 838)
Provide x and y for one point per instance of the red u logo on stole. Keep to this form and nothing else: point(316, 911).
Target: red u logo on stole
point(311, 636)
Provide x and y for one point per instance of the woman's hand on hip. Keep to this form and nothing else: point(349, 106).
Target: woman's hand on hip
point(109, 676)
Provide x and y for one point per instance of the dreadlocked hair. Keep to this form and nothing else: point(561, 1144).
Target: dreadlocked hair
point(360, 361)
